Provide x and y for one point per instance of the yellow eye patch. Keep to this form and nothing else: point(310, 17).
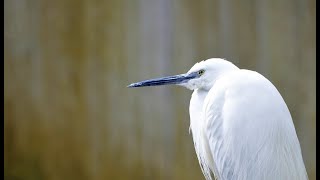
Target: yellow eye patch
point(201, 72)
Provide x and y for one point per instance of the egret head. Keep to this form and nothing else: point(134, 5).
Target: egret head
point(201, 76)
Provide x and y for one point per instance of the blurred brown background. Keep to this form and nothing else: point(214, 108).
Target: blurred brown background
point(68, 113)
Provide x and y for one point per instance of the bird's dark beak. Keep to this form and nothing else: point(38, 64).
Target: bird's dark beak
point(176, 79)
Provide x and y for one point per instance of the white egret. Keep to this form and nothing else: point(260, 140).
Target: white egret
point(241, 126)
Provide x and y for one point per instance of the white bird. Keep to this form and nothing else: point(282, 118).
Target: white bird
point(241, 126)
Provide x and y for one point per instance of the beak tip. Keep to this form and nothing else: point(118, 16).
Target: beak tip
point(131, 85)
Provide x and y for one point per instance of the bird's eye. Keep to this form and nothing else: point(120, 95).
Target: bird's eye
point(201, 72)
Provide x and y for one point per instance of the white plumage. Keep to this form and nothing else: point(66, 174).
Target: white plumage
point(241, 126)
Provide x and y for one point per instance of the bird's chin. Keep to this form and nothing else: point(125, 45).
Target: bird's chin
point(188, 86)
